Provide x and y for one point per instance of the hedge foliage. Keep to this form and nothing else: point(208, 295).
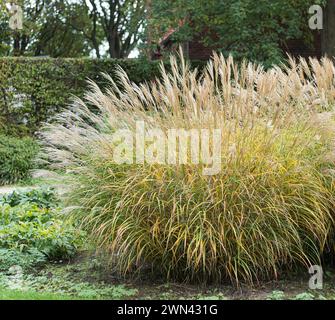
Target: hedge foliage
point(33, 89)
point(16, 158)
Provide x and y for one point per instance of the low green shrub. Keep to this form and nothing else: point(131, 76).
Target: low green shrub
point(43, 198)
point(16, 158)
point(27, 226)
point(26, 260)
point(33, 231)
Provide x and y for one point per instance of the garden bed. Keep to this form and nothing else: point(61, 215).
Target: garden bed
point(83, 278)
point(87, 276)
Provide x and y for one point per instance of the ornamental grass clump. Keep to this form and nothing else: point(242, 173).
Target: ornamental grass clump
point(250, 192)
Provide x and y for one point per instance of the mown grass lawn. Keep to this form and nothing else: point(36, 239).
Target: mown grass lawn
point(7, 294)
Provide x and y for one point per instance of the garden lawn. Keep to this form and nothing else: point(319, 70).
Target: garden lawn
point(7, 294)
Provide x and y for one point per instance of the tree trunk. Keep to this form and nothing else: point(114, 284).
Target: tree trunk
point(16, 44)
point(149, 31)
point(96, 47)
point(328, 43)
point(114, 46)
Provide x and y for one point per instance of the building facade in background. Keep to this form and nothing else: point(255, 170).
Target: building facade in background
point(323, 43)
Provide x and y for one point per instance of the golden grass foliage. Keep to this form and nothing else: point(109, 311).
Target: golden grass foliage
point(269, 208)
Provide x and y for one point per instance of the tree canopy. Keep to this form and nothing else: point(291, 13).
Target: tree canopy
point(74, 28)
point(256, 30)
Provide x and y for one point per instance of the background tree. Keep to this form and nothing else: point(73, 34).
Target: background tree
point(46, 31)
point(57, 36)
point(73, 28)
point(84, 17)
point(17, 41)
point(5, 36)
point(256, 30)
point(122, 23)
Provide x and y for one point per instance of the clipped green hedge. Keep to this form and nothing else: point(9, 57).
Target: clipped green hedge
point(34, 89)
point(16, 158)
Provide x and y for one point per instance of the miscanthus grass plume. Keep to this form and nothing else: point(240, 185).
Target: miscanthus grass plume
point(269, 208)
